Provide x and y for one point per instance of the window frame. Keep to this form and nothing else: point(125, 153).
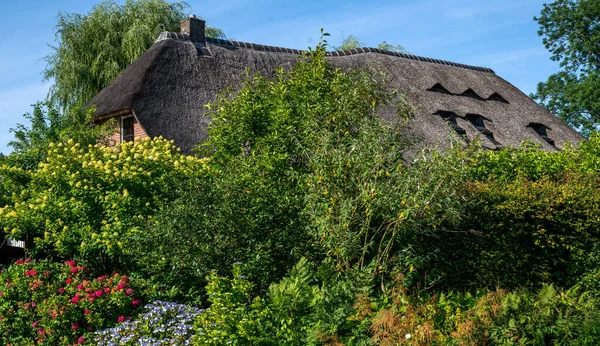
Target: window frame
point(123, 118)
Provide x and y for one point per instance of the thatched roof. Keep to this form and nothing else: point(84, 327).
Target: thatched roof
point(168, 86)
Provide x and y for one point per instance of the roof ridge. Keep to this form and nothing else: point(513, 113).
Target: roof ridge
point(335, 53)
point(346, 52)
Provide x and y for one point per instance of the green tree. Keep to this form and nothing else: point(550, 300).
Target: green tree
point(49, 125)
point(93, 49)
point(571, 33)
point(355, 42)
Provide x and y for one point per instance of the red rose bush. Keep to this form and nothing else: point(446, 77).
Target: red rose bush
point(59, 303)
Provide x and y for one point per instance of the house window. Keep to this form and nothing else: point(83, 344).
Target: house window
point(439, 88)
point(542, 131)
point(127, 129)
point(497, 97)
point(478, 121)
point(472, 94)
point(450, 119)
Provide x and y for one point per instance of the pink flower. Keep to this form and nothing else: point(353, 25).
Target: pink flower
point(75, 300)
point(129, 291)
point(33, 305)
point(61, 290)
point(135, 302)
point(87, 311)
point(80, 286)
point(42, 331)
point(34, 324)
point(74, 270)
point(120, 286)
point(107, 290)
point(102, 278)
point(74, 326)
point(19, 262)
point(81, 340)
point(121, 319)
point(27, 260)
point(99, 293)
point(68, 281)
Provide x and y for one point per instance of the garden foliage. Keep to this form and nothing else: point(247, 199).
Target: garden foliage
point(336, 235)
point(60, 304)
point(83, 202)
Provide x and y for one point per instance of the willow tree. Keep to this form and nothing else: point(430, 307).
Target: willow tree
point(92, 49)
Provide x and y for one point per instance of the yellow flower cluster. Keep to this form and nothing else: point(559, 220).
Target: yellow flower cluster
point(87, 198)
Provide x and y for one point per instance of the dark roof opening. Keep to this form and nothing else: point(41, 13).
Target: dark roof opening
point(450, 119)
point(439, 89)
point(478, 121)
point(472, 94)
point(497, 97)
point(542, 131)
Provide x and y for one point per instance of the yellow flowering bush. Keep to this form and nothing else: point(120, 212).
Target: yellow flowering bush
point(82, 202)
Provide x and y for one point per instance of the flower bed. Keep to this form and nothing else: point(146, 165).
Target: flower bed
point(57, 303)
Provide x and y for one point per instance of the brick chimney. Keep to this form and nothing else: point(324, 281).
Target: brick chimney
point(193, 27)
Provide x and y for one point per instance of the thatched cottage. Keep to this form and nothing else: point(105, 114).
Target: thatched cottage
point(163, 93)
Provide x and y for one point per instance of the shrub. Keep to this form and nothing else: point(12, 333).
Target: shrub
point(164, 323)
point(83, 203)
point(548, 317)
point(310, 307)
point(47, 302)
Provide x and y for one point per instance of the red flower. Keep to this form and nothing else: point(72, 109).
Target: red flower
point(34, 324)
point(74, 270)
point(121, 319)
point(75, 299)
point(129, 291)
point(42, 332)
point(31, 272)
point(81, 340)
point(19, 262)
point(135, 302)
point(87, 311)
point(68, 281)
point(107, 290)
point(80, 286)
point(74, 326)
point(61, 290)
point(120, 286)
point(99, 293)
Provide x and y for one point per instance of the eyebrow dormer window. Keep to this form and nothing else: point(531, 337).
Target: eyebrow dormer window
point(127, 131)
point(497, 97)
point(450, 118)
point(472, 94)
point(438, 88)
point(478, 121)
point(542, 131)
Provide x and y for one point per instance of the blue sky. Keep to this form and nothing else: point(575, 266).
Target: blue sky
point(500, 34)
